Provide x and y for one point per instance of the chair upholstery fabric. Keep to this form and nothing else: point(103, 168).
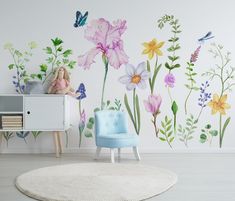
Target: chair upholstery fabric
point(112, 130)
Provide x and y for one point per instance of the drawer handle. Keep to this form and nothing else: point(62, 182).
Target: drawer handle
point(28, 112)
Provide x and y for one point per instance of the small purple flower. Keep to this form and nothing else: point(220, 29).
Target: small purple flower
point(82, 90)
point(204, 97)
point(194, 56)
point(169, 80)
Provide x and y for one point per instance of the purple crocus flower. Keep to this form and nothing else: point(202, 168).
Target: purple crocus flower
point(169, 80)
point(107, 40)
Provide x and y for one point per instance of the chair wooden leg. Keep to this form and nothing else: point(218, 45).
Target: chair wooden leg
point(1, 141)
point(119, 153)
point(60, 142)
point(136, 152)
point(56, 143)
point(112, 155)
point(97, 154)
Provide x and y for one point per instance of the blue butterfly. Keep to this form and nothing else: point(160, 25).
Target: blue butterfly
point(206, 37)
point(80, 19)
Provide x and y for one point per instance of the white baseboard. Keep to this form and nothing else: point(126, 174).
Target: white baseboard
point(90, 150)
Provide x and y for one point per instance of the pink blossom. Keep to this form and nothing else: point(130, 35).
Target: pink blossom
point(153, 104)
point(194, 56)
point(107, 40)
point(169, 80)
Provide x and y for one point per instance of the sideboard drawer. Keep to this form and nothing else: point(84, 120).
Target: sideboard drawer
point(42, 113)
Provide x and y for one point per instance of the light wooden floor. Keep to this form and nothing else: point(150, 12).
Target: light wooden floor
point(201, 177)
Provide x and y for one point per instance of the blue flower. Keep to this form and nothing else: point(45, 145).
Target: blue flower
point(82, 90)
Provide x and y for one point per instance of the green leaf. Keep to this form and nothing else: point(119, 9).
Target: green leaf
point(162, 139)
point(167, 66)
point(203, 138)
point(92, 120)
point(162, 131)
point(68, 52)
point(89, 125)
point(43, 67)
point(60, 48)
point(174, 107)
point(11, 66)
point(208, 126)
point(96, 109)
point(169, 134)
point(48, 50)
point(39, 76)
point(128, 109)
point(155, 73)
point(71, 64)
point(213, 132)
point(56, 41)
point(138, 114)
point(225, 126)
point(88, 133)
point(171, 140)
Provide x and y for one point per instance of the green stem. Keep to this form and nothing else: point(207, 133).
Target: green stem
point(186, 100)
point(169, 93)
point(220, 131)
point(155, 124)
point(199, 114)
point(175, 124)
point(134, 107)
point(80, 113)
point(103, 87)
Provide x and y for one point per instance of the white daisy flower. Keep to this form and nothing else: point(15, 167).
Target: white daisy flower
point(135, 76)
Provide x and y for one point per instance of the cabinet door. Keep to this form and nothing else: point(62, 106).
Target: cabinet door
point(44, 113)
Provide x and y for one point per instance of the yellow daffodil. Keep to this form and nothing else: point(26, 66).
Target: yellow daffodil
point(152, 47)
point(218, 104)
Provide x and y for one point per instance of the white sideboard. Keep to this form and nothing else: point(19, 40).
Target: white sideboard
point(40, 112)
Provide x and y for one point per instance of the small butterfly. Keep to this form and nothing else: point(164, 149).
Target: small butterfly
point(206, 37)
point(80, 19)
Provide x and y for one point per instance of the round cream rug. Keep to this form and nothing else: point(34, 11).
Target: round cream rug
point(95, 182)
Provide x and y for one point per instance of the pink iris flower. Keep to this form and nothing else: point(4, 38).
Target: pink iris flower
point(107, 40)
point(153, 104)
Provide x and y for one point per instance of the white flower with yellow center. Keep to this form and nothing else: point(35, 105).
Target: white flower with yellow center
point(135, 76)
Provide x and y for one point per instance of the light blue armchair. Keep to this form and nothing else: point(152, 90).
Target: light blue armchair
point(111, 132)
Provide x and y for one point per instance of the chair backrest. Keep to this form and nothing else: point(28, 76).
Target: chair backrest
point(110, 122)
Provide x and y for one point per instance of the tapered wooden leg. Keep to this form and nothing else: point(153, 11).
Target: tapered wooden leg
point(119, 153)
point(136, 152)
point(112, 155)
point(98, 150)
point(60, 142)
point(56, 144)
point(1, 141)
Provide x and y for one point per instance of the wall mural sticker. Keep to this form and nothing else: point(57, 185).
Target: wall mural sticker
point(80, 19)
point(135, 77)
point(20, 59)
point(173, 58)
point(225, 75)
point(153, 103)
point(107, 40)
point(207, 134)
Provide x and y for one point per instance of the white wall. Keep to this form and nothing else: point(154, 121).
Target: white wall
point(25, 20)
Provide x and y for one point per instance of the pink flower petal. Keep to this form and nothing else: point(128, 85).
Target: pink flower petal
point(117, 56)
point(97, 31)
point(148, 107)
point(87, 59)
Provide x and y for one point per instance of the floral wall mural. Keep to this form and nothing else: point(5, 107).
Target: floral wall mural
point(175, 85)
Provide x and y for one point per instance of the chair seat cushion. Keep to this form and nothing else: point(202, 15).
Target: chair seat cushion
point(117, 140)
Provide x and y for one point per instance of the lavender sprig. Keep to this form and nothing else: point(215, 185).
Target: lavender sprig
point(204, 97)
